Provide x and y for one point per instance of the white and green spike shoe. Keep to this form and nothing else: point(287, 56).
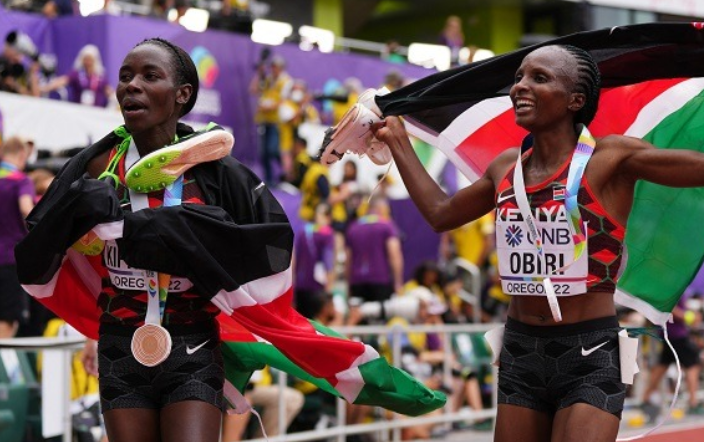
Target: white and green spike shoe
point(160, 168)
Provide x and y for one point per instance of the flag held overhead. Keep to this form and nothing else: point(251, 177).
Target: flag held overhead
point(652, 79)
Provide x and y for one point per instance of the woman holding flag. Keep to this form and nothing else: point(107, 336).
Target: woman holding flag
point(562, 202)
point(159, 361)
point(176, 257)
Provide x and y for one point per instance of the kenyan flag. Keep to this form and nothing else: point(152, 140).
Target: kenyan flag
point(368, 380)
point(651, 90)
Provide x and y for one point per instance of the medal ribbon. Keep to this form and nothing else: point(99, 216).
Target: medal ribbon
point(172, 197)
point(157, 283)
point(580, 157)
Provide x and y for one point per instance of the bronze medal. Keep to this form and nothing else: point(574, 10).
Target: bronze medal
point(151, 344)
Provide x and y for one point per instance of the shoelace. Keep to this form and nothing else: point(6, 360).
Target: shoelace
point(121, 149)
point(378, 184)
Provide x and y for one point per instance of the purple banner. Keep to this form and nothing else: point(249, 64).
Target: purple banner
point(225, 63)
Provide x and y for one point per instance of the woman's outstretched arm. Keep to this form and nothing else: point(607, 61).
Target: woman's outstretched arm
point(442, 211)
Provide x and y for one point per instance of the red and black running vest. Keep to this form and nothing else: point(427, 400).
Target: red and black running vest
point(123, 298)
point(520, 269)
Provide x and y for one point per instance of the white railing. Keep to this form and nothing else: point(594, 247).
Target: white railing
point(389, 429)
point(475, 287)
point(340, 430)
point(66, 346)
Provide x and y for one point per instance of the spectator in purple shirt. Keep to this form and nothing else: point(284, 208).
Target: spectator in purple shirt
point(86, 82)
point(314, 262)
point(16, 201)
point(374, 265)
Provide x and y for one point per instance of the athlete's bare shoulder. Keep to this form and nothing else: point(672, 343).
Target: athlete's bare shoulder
point(620, 142)
point(608, 172)
point(500, 166)
point(611, 150)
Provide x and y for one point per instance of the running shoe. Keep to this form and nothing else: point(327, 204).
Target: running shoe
point(160, 168)
point(379, 152)
point(353, 133)
point(89, 244)
point(367, 99)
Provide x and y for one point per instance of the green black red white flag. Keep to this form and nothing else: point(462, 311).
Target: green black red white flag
point(652, 80)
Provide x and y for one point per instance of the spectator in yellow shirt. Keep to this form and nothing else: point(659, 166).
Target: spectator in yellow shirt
point(473, 242)
point(272, 85)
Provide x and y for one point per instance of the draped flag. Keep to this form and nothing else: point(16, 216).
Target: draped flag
point(260, 327)
point(242, 266)
point(650, 90)
point(370, 382)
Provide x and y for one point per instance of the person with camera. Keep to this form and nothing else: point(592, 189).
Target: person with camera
point(19, 65)
point(271, 85)
point(294, 110)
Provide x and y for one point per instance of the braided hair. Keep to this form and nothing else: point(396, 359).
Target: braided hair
point(183, 66)
point(588, 82)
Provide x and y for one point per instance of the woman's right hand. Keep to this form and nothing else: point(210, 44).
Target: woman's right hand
point(89, 357)
point(391, 131)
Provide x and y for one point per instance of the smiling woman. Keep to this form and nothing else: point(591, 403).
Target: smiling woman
point(560, 376)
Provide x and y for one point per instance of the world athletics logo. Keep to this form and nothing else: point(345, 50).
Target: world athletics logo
point(206, 65)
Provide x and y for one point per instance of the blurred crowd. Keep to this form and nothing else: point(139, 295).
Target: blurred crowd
point(348, 261)
point(24, 71)
point(229, 14)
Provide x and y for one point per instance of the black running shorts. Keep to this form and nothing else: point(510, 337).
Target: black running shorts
point(193, 371)
point(551, 368)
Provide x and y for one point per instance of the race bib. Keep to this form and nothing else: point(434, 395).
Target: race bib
point(125, 277)
point(521, 268)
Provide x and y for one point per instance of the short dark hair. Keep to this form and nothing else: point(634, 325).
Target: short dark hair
point(425, 267)
point(183, 66)
point(588, 82)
